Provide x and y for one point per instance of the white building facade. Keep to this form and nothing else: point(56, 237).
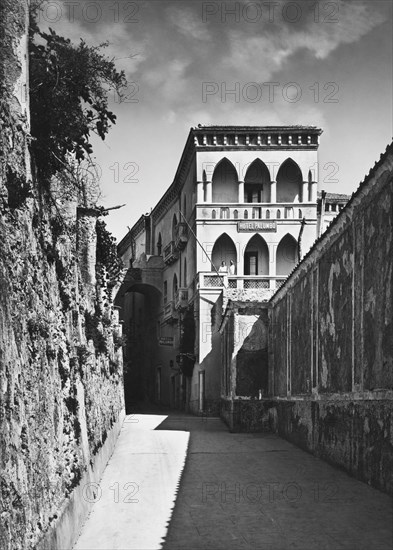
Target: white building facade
point(240, 212)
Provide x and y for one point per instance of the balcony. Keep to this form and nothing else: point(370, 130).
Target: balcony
point(181, 236)
point(170, 253)
point(241, 282)
point(281, 212)
point(181, 298)
point(170, 314)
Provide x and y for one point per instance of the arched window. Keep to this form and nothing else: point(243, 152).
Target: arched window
point(174, 286)
point(286, 256)
point(278, 214)
point(256, 257)
point(300, 214)
point(288, 212)
point(159, 244)
point(268, 214)
point(289, 182)
point(246, 214)
point(235, 214)
point(257, 182)
point(224, 250)
point(174, 226)
point(225, 182)
point(214, 214)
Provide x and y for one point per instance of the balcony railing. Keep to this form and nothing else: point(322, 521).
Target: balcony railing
point(181, 298)
point(213, 280)
point(181, 236)
point(170, 253)
point(256, 211)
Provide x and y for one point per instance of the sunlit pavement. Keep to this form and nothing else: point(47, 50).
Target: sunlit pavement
point(134, 500)
point(258, 491)
point(237, 491)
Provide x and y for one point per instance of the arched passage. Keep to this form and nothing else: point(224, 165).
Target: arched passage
point(256, 257)
point(225, 182)
point(286, 256)
point(289, 182)
point(257, 182)
point(224, 250)
point(140, 313)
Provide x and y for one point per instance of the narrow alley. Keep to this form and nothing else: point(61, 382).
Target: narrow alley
point(237, 491)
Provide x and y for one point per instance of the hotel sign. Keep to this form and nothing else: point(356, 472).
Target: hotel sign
point(256, 226)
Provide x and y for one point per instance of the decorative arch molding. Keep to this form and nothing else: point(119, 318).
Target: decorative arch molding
point(256, 256)
point(225, 182)
point(289, 181)
point(224, 250)
point(257, 182)
point(286, 255)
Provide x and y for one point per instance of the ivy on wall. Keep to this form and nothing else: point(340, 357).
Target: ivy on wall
point(70, 88)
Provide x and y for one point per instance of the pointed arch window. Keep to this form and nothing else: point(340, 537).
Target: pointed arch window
point(159, 245)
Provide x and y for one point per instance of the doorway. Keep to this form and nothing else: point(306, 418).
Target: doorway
point(251, 263)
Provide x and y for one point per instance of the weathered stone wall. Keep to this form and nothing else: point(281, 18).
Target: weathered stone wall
point(61, 394)
point(331, 341)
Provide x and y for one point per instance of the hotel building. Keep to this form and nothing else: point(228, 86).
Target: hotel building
point(239, 214)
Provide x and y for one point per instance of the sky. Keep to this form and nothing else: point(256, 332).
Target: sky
point(326, 64)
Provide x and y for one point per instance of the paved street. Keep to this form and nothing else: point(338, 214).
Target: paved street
point(237, 491)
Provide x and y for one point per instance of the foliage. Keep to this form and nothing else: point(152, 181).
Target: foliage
point(18, 189)
point(106, 249)
point(69, 97)
point(93, 332)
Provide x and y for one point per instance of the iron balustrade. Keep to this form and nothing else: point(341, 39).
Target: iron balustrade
point(213, 280)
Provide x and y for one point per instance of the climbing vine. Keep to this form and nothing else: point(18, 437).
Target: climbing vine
point(70, 86)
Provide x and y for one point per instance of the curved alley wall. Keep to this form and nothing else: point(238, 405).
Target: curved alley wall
point(61, 389)
point(331, 345)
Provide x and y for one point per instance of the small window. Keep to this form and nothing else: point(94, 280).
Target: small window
point(334, 207)
point(159, 244)
point(300, 214)
point(256, 213)
point(246, 214)
point(235, 214)
point(214, 214)
point(224, 213)
point(278, 214)
point(268, 214)
point(174, 286)
point(165, 292)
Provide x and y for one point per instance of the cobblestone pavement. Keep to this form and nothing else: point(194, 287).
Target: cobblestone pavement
point(243, 491)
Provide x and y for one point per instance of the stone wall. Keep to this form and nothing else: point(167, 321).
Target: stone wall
point(61, 390)
point(331, 345)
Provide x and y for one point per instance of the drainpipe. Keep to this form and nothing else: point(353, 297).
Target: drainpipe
point(322, 213)
point(299, 241)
